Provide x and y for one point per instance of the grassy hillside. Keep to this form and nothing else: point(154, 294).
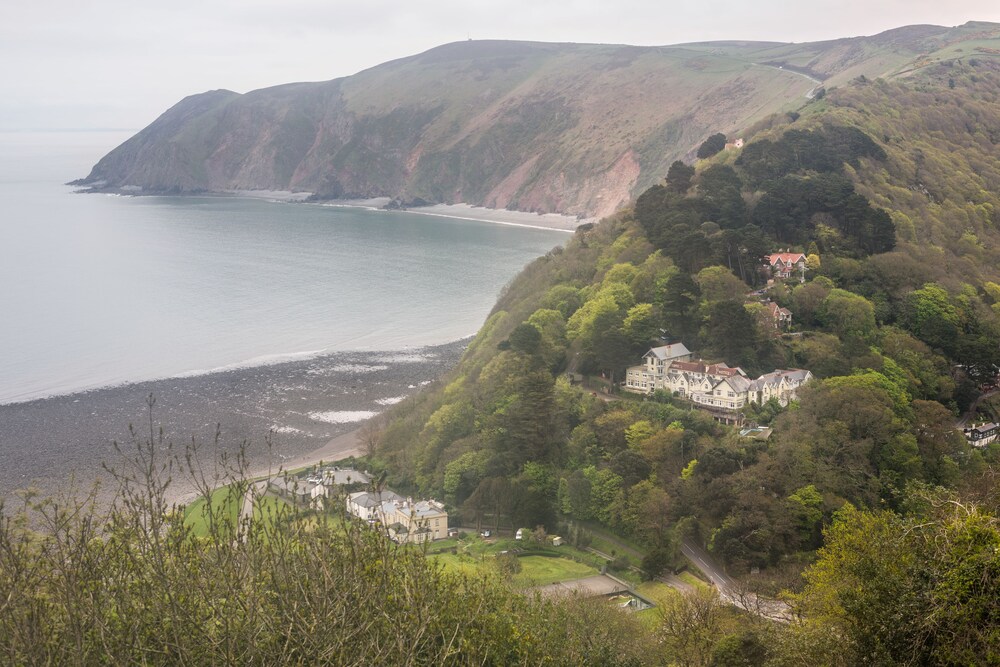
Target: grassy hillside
point(574, 128)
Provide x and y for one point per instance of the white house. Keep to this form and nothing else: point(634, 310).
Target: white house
point(365, 504)
point(404, 520)
point(292, 487)
point(332, 480)
point(730, 393)
point(982, 435)
point(648, 377)
point(782, 385)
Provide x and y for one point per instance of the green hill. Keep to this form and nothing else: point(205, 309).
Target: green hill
point(573, 128)
point(892, 188)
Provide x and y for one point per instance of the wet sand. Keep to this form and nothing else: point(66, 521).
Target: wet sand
point(308, 409)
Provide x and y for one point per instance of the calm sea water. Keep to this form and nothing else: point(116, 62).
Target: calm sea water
point(98, 290)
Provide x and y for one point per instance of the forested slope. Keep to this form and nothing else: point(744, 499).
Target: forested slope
point(892, 189)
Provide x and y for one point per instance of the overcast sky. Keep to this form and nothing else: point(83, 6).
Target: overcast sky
point(78, 64)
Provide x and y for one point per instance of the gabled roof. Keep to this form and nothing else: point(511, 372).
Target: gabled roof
point(739, 383)
point(777, 310)
point(774, 378)
point(667, 352)
point(785, 258)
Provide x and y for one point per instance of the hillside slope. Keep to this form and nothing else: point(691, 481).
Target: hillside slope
point(893, 189)
point(573, 128)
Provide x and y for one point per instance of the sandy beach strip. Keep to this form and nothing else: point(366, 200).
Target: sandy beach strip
point(550, 221)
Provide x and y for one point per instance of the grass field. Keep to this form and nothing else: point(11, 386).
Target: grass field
point(543, 570)
point(227, 504)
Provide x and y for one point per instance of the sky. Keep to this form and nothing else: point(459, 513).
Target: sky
point(118, 64)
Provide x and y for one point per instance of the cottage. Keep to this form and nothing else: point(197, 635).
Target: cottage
point(334, 480)
point(292, 487)
point(780, 317)
point(982, 435)
point(784, 264)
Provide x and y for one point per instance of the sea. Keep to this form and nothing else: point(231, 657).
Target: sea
point(101, 290)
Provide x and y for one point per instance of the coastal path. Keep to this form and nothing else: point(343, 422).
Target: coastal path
point(254, 492)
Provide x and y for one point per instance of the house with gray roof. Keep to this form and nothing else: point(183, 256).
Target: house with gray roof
point(782, 385)
point(403, 520)
point(648, 376)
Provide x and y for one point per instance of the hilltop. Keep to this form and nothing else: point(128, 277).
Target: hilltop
point(571, 128)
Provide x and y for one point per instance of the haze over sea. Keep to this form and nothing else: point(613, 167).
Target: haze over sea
point(100, 290)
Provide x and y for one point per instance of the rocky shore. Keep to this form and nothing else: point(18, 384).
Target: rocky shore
point(299, 406)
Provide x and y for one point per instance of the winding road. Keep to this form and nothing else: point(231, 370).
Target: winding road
point(730, 590)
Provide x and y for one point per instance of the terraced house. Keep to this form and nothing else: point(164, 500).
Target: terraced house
point(716, 387)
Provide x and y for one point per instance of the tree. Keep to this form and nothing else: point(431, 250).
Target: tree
point(711, 146)
point(848, 315)
point(679, 177)
point(731, 332)
point(691, 624)
point(655, 562)
point(931, 317)
point(679, 300)
point(525, 339)
point(716, 283)
point(910, 590)
point(639, 326)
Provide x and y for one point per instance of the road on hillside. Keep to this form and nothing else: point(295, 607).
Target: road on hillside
point(730, 590)
point(971, 412)
point(812, 91)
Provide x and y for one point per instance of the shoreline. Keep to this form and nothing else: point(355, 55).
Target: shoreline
point(281, 415)
point(340, 447)
point(460, 211)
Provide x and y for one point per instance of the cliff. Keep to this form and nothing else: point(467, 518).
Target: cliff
point(573, 128)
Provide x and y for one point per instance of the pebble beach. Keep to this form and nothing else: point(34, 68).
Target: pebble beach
point(306, 408)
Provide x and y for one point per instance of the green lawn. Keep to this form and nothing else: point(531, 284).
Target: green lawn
point(462, 564)
point(226, 505)
point(544, 570)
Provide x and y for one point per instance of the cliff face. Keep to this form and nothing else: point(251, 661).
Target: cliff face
point(573, 128)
